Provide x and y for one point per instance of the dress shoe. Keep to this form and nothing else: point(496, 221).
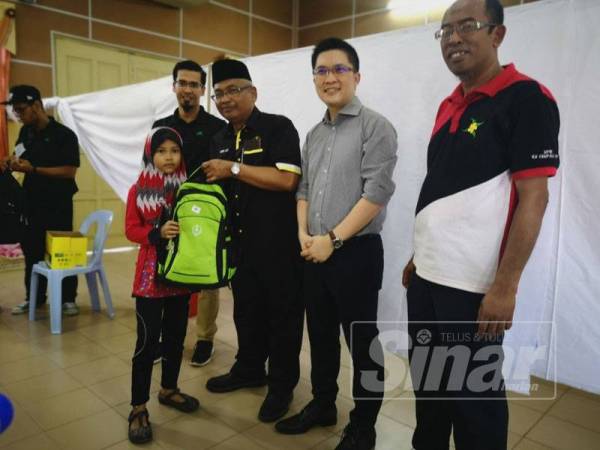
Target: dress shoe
point(312, 415)
point(232, 382)
point(274, 407)
point(357, 438)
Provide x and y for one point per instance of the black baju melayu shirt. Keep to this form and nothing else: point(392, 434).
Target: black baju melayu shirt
point(196, 135)
point(264, 222)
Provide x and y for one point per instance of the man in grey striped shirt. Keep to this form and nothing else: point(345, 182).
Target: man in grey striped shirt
point(347, 164)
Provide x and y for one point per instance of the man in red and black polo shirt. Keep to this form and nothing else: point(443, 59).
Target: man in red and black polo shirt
point(494, 144)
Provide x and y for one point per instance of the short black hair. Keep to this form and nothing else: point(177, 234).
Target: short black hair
point(494, 11)
point(334, 43)
point(188, 64)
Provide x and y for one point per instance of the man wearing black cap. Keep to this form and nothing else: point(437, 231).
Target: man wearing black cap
point(196, 128)
point(48, 153)
point(259, 154)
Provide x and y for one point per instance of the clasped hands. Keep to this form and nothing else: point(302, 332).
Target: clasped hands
point(316, 249)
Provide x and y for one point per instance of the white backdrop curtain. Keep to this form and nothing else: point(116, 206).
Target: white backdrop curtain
point(403, 77)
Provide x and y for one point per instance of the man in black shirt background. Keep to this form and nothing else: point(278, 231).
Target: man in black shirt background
point(196, 128)
point(47, 152)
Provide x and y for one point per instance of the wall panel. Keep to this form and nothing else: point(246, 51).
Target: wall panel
point(268, 38)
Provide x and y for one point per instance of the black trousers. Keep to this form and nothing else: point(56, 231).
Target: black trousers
point(344, 290)
point(41, 218)
point(269, 315)
point(168, 316)
point(452, 394)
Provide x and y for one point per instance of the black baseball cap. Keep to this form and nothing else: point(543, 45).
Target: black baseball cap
point(22, 93)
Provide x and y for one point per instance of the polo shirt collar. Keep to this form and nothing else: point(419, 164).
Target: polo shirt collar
point(197, 119)
point(253, 121)
point(351, 109)
point(490, 89)
point(47, 129)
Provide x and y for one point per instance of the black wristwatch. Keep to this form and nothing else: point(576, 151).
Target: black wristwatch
point(337, 242)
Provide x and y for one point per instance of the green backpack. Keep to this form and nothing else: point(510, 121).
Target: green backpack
point(201, 254)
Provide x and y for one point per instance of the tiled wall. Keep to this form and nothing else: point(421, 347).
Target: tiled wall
point(238, 27)
point(351, 18)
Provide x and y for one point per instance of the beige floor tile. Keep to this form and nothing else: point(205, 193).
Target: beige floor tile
point(344, 406)
point(401, 409)
point(197, 388)
point(188, 372)
point(513, 439)
point(34, 390)
point(120, 343)
point(562, 435)
point(39, 441)
point(125, 356)
point(85, 319)
point(55, 411)
point(397, 378)
point(238, 442)
point(118, 389)
point(93, 432)
point(158, 413)
point(198, 431)
point(305, 364)
point(103, 331)
point(266, 436)
point(345, 382)
point(579, 410)
point(527, 444)
point(12, 350)
point(22, 426)
point(238, 410)
point(227, 334)
point(521, 419)
point(73, 356)
point(541, 399)
point(26, 368)
point(329, 443)
point(98, 370)
point(392, 435)
point(302, 394)
point(58, 342)
point(126, 445)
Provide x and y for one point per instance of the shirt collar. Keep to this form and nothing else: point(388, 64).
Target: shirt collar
point(252, 123)
point(197, 119)
point(489, 89)
point(351, 109)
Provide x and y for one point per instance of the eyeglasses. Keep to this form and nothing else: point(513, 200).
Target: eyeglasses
point(191, 84)
point(462, 28)
point(338, 69)
point(233, 91)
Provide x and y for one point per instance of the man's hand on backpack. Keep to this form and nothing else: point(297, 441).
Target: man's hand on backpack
point(169, 230)
point(217, 169)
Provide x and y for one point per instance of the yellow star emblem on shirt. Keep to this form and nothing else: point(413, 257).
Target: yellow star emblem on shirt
point(473, 127)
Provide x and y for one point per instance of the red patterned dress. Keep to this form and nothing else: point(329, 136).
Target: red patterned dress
point(137, 230)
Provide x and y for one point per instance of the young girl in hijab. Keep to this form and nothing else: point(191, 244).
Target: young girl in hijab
point(158, 307)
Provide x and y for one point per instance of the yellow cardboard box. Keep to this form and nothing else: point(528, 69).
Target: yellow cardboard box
point(66, 249)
